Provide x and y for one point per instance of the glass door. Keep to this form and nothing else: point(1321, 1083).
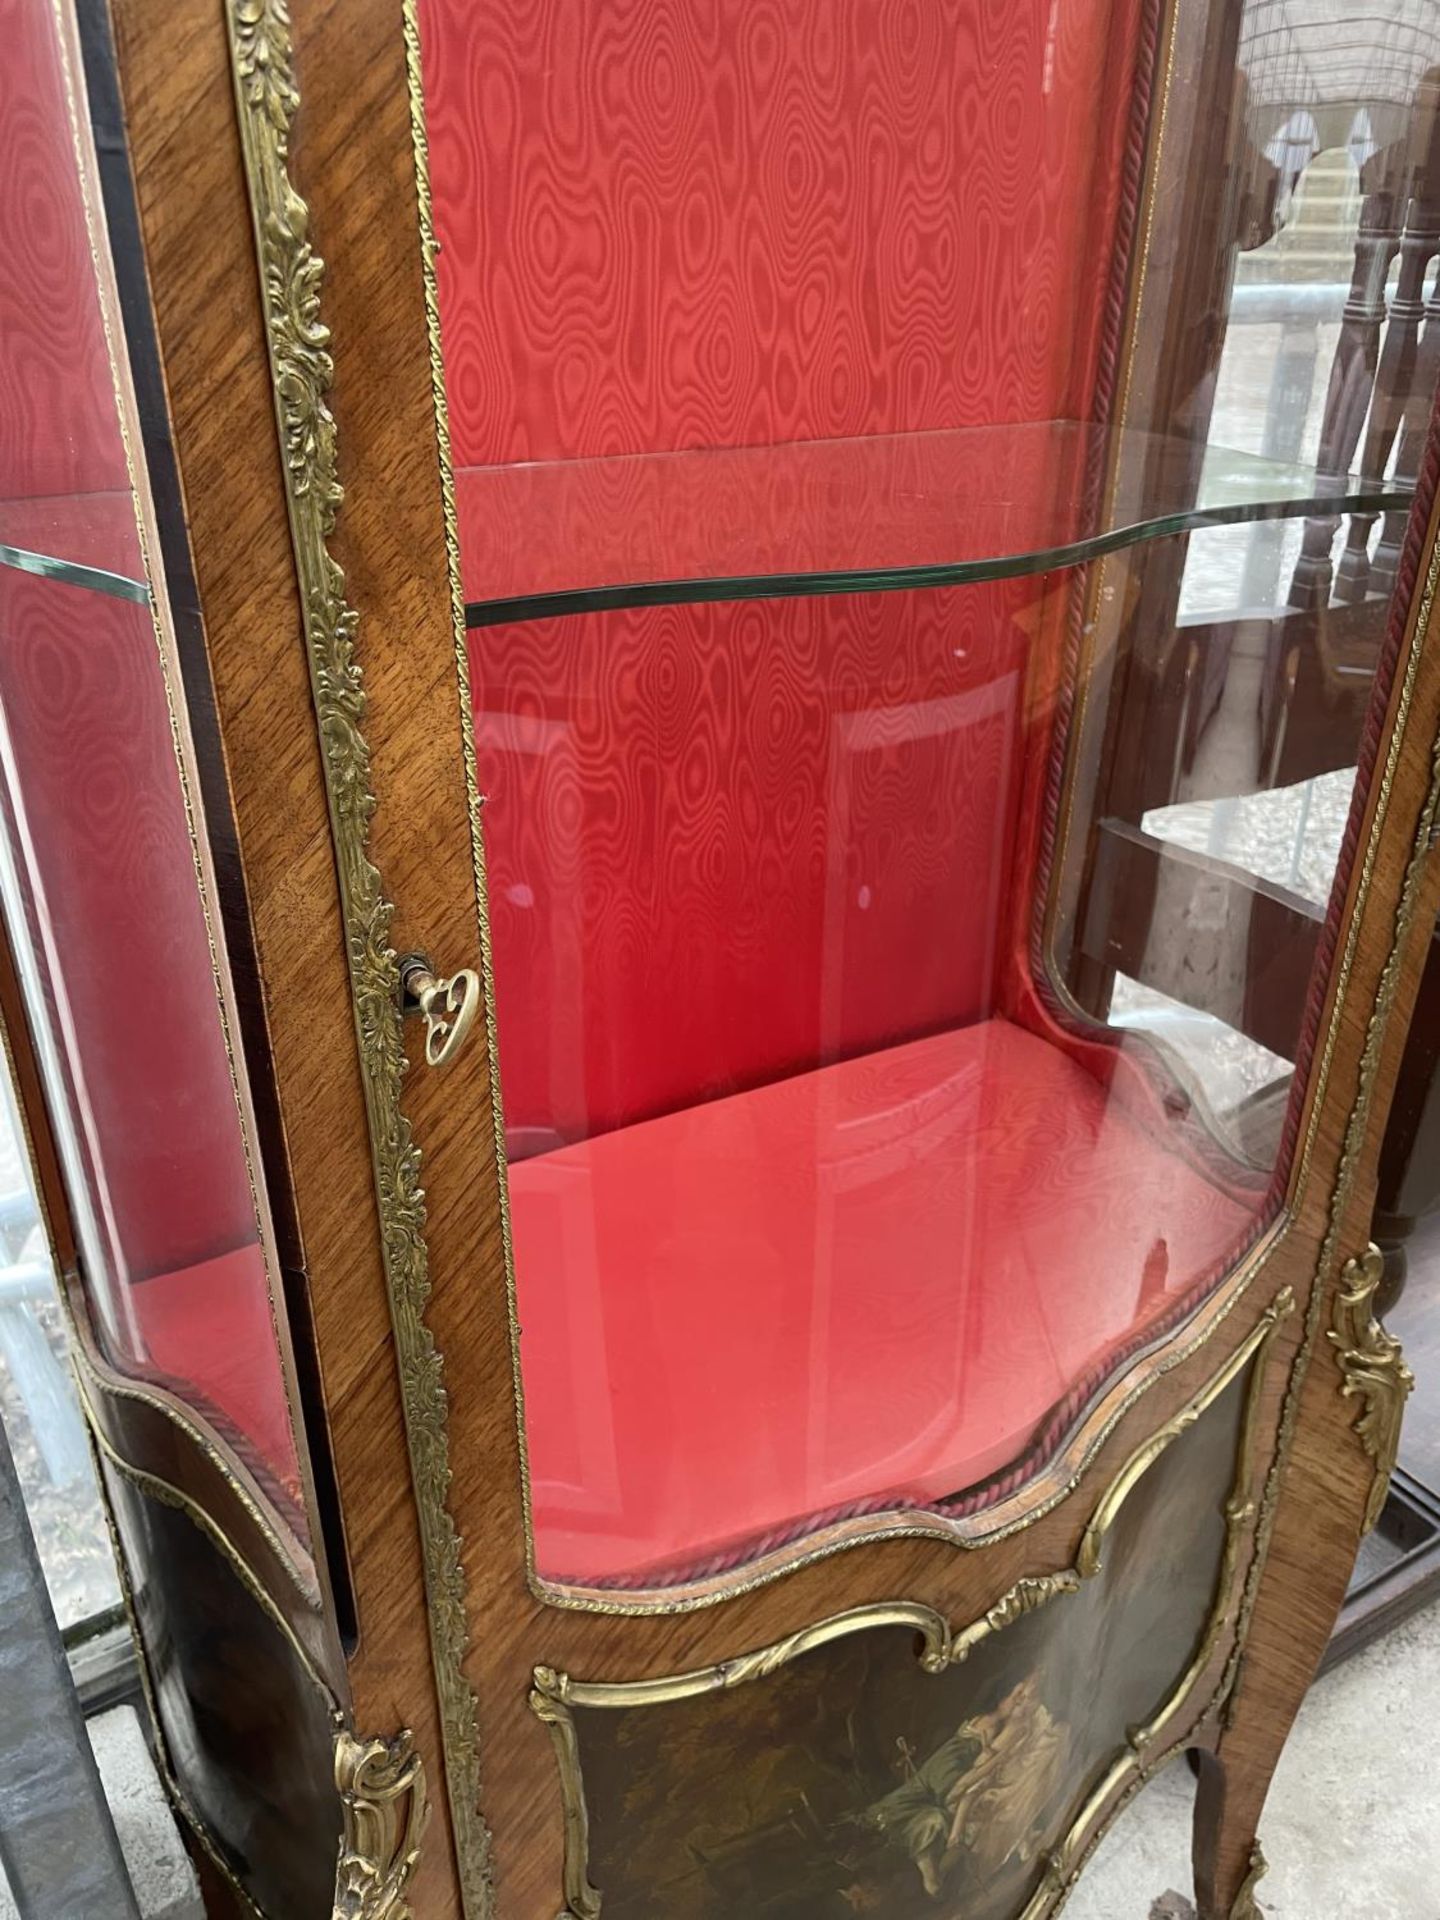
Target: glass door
point(929, 493)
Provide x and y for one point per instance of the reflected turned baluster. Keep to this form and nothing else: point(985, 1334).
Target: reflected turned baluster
point(1400, 411)
point(1396, 389)
point(1422, 241)
point(1417, 397)
point(1352, 381)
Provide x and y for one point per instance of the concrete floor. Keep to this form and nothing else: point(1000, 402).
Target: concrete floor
point(160, 1871)
point(1352, 1827)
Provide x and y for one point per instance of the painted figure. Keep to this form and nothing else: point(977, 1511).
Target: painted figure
point(982, 1795)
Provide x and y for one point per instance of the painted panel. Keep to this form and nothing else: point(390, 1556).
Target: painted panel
point(247, 1723)
point(896, 1776)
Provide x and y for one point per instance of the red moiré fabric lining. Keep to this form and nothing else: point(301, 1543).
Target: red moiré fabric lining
point(207, 1333)
point(719, 223)
point(93, 803)
point(730, 842)
point(56, 396)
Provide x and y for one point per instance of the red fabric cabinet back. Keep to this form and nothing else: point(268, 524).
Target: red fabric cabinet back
point(731, 842)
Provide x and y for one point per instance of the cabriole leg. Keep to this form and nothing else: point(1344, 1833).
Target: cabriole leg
point(1330, 1492)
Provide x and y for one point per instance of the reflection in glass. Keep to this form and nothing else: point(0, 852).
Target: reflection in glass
point(37, 1398)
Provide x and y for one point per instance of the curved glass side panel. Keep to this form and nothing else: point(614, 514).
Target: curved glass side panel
point(103, 865)
point(922, 630)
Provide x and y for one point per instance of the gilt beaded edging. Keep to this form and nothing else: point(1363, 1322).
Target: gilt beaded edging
point(429, 248)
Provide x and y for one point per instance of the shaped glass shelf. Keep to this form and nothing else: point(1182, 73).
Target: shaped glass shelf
point(759, 523)
point(856, 516)
point(83, 539)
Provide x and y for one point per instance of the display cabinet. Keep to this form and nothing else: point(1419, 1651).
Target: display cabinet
point(719, 764)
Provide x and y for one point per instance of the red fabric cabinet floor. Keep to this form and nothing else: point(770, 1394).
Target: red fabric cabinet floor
point(870, 1283)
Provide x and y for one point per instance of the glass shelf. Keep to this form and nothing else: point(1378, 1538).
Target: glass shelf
point(83, 539)
point(855, 516)
point(758, 523)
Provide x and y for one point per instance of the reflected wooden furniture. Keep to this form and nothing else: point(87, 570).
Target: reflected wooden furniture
point(856, 1412)
point(1319, 652)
